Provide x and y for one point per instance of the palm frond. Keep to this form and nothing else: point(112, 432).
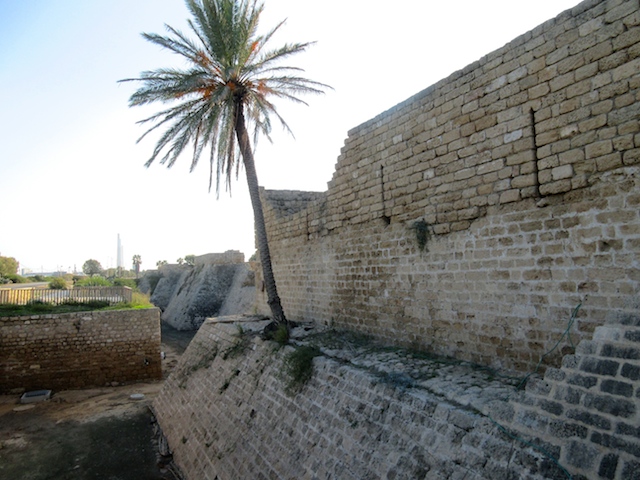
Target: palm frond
point(230, 66)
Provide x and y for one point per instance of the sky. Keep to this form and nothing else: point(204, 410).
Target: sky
point(72, 176)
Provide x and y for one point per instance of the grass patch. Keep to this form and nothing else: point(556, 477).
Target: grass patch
point(42, 308)
point(239, 346)
point(206, 356)
point(138, 301)
point(281, 335)
point(299, 366)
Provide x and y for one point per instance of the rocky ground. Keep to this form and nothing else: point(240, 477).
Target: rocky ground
point(100, 433)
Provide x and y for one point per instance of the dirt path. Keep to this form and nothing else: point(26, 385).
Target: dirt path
point(100, 433)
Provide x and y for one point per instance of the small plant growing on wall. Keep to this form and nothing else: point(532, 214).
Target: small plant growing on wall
point(238, 347)
point(423, 234)
point(281, 335)
point(277, 333)
point(204, 359)
point(299, 367)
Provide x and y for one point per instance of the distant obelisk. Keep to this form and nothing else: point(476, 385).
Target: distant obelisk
point(120, 260)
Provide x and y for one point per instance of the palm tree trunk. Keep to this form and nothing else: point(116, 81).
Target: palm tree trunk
point(261, 230)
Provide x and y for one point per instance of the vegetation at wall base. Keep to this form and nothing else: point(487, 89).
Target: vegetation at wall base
point(299, 366)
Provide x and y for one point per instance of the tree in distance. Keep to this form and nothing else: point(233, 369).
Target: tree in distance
point(190, 260)
point(92, 267)
point(137, 261)
point(8, 266)
point(228, 86)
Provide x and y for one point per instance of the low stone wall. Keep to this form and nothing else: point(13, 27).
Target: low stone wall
point(77, 350)
point(229, 411)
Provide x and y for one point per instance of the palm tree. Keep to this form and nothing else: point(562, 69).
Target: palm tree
point(137, 260)
point(227, 86)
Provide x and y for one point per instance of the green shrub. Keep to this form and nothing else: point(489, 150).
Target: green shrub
point(58, 283)
point(95, 281)
point(14, 278)
point(125, 282)
point(138, 300)
point(281, 335)
point(299, 366)
point(276, 332)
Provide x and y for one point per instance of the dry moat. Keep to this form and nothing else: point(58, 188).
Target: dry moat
point(94, 433)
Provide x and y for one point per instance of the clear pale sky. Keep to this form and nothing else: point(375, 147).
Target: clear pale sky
point(72, 176)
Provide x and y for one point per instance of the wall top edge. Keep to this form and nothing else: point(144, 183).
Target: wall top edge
point(539, 30)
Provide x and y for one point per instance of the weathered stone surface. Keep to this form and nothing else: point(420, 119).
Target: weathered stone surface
point(218, 284)
point(522, 169)
point(79, 350)
point(198, 293)
point(370, 411)
point(169, 277)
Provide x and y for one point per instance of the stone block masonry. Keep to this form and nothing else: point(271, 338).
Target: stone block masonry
point(589, 408)
point(227, 258)
point(227, 414)
point(373, 412)
point(78, 350)
point(472, 218)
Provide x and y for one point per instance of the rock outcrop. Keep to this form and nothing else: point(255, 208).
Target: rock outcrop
point(218, 284)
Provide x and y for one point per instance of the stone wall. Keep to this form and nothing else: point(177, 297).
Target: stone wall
point(472, 218)
point(229, 257)
point(78, 350)
point(588, 411)
point(218, 284)
point(228, 411)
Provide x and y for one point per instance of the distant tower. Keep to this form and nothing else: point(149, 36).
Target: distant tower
point(120, 260)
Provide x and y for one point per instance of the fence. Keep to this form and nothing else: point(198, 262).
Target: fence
point(23, 296)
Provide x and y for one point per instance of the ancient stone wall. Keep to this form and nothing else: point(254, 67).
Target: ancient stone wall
point(472, 218)
point(77, 350)
point(187, 295)
point(227, 258)
point(229, 411)
point(588, 410)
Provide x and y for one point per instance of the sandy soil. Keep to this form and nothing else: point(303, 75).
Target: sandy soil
point(100, 433)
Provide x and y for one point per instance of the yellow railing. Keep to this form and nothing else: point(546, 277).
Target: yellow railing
point(23, 296)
